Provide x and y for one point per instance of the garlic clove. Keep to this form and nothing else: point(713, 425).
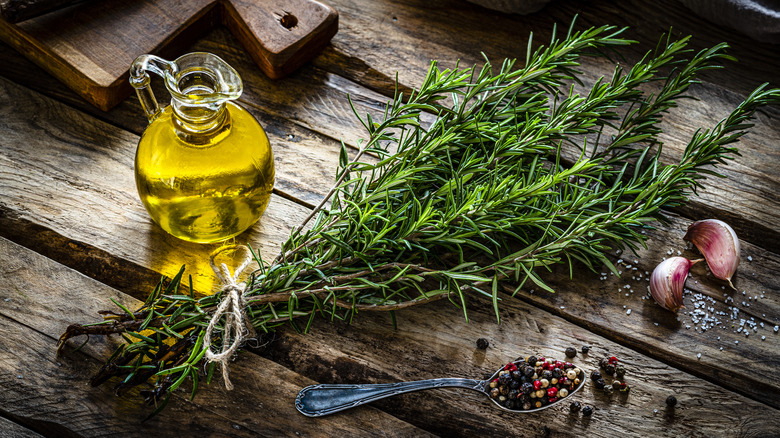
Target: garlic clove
point(719, 244)
point(667, 281)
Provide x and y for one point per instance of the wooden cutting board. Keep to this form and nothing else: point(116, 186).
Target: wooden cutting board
point(90, 46)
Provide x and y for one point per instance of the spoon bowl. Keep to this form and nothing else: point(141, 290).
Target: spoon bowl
point(325, 399)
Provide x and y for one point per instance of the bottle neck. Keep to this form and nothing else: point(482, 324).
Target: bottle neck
point(198, 123)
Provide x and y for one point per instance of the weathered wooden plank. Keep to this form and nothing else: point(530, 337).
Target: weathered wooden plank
point(431, 341)
point(744, 333)
point(116, 209)
point(13, 430)
point(55, 164)
point(403, 36)
point(39, 299)
point(301, 122)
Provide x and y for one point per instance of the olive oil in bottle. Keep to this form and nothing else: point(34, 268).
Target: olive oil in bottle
point(204, 167)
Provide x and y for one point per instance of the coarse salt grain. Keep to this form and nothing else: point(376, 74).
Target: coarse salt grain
point(628, 312)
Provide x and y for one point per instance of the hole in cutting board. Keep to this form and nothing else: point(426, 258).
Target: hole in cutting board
point(288, 20)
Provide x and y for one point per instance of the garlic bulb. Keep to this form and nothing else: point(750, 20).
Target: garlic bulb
point(719, 244)
point(667, 281)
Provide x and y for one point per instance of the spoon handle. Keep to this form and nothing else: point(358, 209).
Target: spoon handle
point(325, 399)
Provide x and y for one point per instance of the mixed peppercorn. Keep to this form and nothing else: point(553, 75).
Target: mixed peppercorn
point(534, 382)
point(610, 367)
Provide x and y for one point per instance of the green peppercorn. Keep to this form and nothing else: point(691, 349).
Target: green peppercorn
point(607, 390)
point(620, 371)
point(604, 362)
point(571, 352)
point(615, 384)
point(494, 393)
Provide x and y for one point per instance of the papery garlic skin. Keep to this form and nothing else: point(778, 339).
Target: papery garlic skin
point(719, 245)
point(667, 282)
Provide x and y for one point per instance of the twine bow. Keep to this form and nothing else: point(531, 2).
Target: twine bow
point(233, 307)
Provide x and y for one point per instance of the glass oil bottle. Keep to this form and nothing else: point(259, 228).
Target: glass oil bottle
point(204, 168)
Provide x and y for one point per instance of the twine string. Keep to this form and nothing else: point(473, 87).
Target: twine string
point(237, 328)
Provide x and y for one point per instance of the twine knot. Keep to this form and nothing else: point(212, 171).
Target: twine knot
point(237, 328)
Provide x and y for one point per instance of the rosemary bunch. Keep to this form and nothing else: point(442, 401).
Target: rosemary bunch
point(481, 176)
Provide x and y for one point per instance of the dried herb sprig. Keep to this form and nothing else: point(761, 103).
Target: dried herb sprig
point(478, 178)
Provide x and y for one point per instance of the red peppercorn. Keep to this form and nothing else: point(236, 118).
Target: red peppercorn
point(612, 360)
point(553, 399)
point(537, 385)
point(568, 365)
point(563, 381)
point(510, 367)
point(558, 364)
point(552, 392)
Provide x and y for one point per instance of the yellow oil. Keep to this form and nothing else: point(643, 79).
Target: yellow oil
point(206, 187)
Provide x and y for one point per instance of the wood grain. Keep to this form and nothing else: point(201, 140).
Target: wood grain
point(13, 430)
point(52, 395)
point(49, 179)
point(126, 234)
point(325, 116)
point(89, 47)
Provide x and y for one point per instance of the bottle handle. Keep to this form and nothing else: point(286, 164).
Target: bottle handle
point(140, 80)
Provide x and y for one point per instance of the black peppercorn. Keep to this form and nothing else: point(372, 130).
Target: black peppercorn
point(514, 384)
point(620, 371)
point(607, 390)
point(575, 406)
point(595, 375)
point(610, 370)
point(517, 375)
point(557, 373)
point(604, 362)
point(528, 371)
point(587, 411)
point(547, 374)
point(513, 394)
point(600, 383)
point(671, 401)
point(504, 379)
point(585, 349)
point(527, 388)
point(531, 361)
point(482, 343)
point(571, 352)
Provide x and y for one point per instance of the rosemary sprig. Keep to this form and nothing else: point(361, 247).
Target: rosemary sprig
point(478, 179)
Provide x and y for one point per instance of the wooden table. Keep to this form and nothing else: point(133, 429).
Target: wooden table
point(73, 235)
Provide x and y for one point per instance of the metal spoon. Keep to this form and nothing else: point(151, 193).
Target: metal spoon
point(325, 399)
